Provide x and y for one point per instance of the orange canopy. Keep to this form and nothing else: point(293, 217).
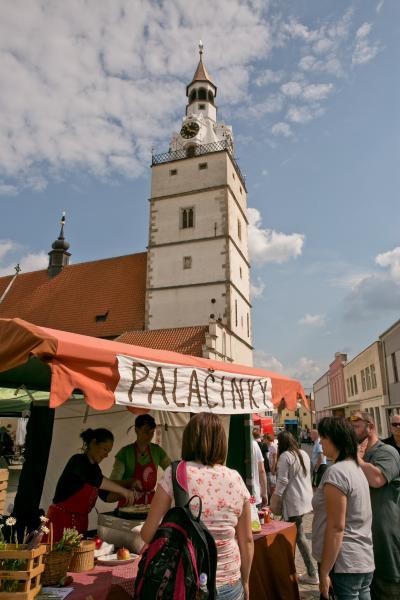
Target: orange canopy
point(90, 364)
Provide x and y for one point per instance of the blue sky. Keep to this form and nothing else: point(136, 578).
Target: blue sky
point(311, 89)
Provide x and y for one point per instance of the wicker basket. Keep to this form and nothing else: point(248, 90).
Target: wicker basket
point(56, 563)
point(56, 566)
point(83, 557)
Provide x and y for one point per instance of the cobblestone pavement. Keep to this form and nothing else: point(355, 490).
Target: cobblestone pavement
point(307, 592)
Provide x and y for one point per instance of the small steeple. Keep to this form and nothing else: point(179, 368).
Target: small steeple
point(201, 74)
point(59, 255)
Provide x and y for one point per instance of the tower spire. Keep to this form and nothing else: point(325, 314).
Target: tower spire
point(59, 255)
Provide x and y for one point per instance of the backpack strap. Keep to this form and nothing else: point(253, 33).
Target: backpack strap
point(180, 483)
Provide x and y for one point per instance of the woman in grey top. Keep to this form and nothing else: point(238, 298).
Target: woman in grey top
point(341, 533)
point(293, 490)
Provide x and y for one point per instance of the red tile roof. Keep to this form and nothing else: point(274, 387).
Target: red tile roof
point(72, 300)
point(187, 340)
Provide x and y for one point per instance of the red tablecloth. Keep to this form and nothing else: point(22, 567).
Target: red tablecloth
point(98, 582)
point(273, 572)
point(272, 577)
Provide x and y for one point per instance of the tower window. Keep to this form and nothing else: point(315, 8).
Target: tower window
point(187, 262)
point(210, 97)
point(173, 171)
point(236, 313)
point(203, 166)
point(248, 325)
point(202, 94)
point(239, 229)
point(240, 272)
point(202, 106)
point(193, 96)
point(191, 151)
point(187, 218)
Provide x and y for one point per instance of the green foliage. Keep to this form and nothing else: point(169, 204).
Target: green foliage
point(70, 539)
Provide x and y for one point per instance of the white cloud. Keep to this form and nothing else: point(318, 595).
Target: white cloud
point(376, 292)
point(8, 190)
point(269, 76)
point(380, 6)
point(317, 91)
point(82, 81)
point(303, 114)
point(313, 320)
point(282, 128)
point(292, 89)
point(257, 288)
point(305, 369)
point(331, 65)
point(390, 259)
point(268, 362)
point(267, 245)
point(12, 253)
point(272, 103)
point(364, 50)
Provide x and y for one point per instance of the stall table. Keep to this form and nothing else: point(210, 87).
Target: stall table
point(272, 577)
point(273, 572)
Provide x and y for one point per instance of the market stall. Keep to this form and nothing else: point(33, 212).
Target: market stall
point(113, 377)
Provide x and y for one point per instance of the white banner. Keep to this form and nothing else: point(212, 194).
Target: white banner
point(158, 386)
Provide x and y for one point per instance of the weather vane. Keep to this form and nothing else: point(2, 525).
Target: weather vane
point(201, 48)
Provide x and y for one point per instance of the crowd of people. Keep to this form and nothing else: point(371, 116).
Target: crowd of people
point(351, 483)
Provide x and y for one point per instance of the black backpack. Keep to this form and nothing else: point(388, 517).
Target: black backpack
point(180, 551)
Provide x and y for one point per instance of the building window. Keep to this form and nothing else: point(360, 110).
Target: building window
point(355, 384)
point(187, 262)
point(202, 106)
point(233, 175)
point(210, 97)
point(239, 229)
point(373, 376)
point(173, 171)
point(395, 370)
point(368, 378)
point(363, 380)
point(193, 96)
point(241, 191)
point(378, 419)
point(248, 325)
point(236, 313)
point(202, 94)
point(101, 318)
point(187, 218)
point(351, 386)
point(348, 387)
point(203, 166)
point(240, 272)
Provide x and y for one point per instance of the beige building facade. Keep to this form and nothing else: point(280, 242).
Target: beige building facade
point(366, 388)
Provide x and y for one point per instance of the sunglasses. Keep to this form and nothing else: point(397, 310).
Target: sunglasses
point(395, 424)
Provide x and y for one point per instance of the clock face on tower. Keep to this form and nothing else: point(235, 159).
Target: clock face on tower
point(190, 129)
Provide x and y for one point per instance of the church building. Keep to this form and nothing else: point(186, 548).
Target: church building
point(190, 292)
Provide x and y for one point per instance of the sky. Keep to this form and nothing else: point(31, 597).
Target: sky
point(311, 88)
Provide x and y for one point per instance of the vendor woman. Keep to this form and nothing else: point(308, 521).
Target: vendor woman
point(136, 465)
point(77, 488)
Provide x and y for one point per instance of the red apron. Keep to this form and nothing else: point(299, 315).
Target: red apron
point(147, 475)
point(73, 512)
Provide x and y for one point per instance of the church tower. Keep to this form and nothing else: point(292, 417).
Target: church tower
point(198, 267)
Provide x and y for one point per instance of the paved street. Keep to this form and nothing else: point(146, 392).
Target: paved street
point(307, 592)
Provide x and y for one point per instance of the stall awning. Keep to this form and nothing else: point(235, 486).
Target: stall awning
point(42, 358)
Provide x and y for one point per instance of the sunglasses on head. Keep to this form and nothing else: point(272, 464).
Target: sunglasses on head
point(395, 424)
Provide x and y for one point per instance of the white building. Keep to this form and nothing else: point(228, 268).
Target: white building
point(198, 269)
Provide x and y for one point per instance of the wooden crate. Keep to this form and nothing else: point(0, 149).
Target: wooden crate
point(3, 488)
point(29, 578)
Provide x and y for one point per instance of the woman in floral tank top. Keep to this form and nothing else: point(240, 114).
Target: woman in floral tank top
point(225, 499)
